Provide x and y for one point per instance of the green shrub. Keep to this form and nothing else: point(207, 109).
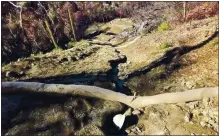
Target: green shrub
point(71, 44)
point(163, 26)
point(36, 54)
point(165, 45)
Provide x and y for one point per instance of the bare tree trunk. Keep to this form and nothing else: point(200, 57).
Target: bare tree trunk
point(100, 93)
point(184, 11)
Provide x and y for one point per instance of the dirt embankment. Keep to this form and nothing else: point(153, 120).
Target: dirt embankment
point(82, 60)
point(194, 69)
point(147, 49)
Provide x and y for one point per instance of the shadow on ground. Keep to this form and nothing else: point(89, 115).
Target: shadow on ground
point(170, 59)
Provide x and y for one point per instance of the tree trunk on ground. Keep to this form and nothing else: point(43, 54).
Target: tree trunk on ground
point(100, 93)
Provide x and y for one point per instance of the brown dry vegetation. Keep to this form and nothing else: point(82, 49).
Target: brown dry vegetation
point(33, 37)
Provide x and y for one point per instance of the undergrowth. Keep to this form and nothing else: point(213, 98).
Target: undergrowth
point(165, 45)
point(163, 26)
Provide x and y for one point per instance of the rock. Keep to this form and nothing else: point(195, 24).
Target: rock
point(211, 121)
point(209, 125)
point(69, 58)
point(141, 110)
point(206, 101)
point(193, 105)
point(188, 117)
point(211, 101)
point(136, 112)
point(203, 124)
point(21, 73)
point(189, 84)
point(196, 113)
point(127, 131)
point(133, 129)
point(166, 87)
point(128, 62)
point(137, 128)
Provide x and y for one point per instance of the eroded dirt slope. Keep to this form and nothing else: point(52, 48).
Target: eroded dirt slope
point(84, 59)
point(146, 49)
point(194, 69)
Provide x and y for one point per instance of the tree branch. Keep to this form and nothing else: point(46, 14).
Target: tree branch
point(40, 4)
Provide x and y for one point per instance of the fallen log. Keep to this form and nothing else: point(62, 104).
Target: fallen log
point(100, 93)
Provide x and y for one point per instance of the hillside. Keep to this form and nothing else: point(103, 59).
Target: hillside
point(145, 56)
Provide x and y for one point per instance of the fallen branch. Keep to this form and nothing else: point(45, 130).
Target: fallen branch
point(100, 93)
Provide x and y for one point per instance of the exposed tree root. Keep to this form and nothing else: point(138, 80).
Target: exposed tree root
point(97, 92)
